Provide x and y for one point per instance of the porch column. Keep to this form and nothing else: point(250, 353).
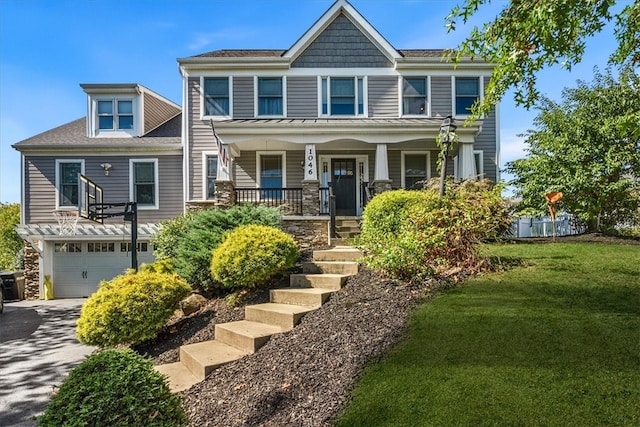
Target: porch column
point(467, 162)
point(310, 197)
point(310, 163)
point(381, 181)
point(225, 193)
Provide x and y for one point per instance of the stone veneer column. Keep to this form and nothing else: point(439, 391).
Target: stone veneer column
point(381, 186)
point(310, 198)
point(225, 193)
point(31, 273)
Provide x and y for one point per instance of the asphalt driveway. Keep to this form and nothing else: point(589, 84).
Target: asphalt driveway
point(38, 348)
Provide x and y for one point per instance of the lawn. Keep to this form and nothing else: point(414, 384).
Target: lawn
point(552, 342)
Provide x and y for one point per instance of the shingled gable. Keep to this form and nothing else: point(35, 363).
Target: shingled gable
point(341, 15)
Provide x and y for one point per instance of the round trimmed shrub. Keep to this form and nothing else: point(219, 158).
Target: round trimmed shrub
point(130, 309)
point(114, 388)
point(251, 255)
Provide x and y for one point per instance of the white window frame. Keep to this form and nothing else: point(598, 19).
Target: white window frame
point(365, 96)
point(58, 182)
point(256, 97)
point(203, 108)
point(115, 132)
point(259, 155)
point(426, 153)
point(132, 163)
point(205, 177)
point(401, 96)
point(456, 114)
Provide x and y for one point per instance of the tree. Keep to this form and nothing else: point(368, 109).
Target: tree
point(10, 242)
point(587, 147)
point(529, 35)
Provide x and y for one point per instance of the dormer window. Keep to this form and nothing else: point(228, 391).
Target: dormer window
point(115, 114)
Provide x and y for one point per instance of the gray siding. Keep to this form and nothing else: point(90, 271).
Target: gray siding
point(383, 96)
point(394, 161)
point(441, 102)
point(243, 98)
point(200, 139)
point(40, 180)
point(486, 142)
point(156, 111)
point(341, 45)
point(245, 170)
point(302, 97)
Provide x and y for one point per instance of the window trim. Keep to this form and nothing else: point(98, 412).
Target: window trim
point(426, 153)
point(256, 96)
point(132, 163)
point(480, 79)
point(115, 131)
point(428, 95)
point(205, 177)
point(480, 169)
point(259, 155)
point(203, 107)
point(357, 95)
point(58, 182)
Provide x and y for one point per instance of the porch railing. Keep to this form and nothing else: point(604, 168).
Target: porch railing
point(287, 199)
point(324, 201)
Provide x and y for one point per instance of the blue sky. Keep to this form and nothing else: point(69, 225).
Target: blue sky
point(49, 47)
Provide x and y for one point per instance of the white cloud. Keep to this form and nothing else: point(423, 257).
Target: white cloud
point(512, 146)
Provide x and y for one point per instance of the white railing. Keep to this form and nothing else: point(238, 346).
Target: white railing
point(543, 227)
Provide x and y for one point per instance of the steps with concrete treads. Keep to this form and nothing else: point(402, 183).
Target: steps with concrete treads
point(234, 340)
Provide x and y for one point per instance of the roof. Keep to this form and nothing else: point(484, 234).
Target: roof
point(86, 231)
point(276, 53)
point(74, 134)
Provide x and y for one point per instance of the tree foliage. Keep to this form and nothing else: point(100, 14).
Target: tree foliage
point(529, 35)
point(10, 242)
point(588, 147)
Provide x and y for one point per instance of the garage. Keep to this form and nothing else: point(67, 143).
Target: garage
point(79, 267)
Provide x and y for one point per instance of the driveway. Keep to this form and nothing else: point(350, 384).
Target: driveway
point(38, 348)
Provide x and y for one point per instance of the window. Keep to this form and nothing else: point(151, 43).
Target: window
point(467, 93)
point(414, 96)
point(115, 114)
point(211, 174)
point(415, 169)
point(67, 247)
point(67, 182)
point(142, 247)
point(342, 96)
point(143, 183)
point(478, 157)
point(216, 96)
point(272, 174)
point(101, 247)
point(270, 96)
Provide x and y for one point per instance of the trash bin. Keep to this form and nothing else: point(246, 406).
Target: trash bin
point(9, 286)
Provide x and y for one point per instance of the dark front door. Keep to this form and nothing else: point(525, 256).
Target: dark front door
point(343, 176)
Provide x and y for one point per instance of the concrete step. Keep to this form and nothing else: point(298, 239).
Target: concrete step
point(331, 267)
point(283, 315)
point(348, 229)
point(202, 358)
point(309, 297)
point(245, 335)
point(324, 281)
point(348, 223)
point(339, 253)
point(178, 376)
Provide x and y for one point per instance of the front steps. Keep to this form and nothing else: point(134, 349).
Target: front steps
point(234, 340)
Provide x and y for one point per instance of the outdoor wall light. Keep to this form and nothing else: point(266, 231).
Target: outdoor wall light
point(107, 168)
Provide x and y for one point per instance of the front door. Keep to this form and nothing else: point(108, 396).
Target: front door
point(343, 176)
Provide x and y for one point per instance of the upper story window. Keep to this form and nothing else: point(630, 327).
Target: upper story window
point(143, 182)
point(67, 182)
point(217, 96)
point(115, 114)
point(342, 96)
point(467, 92)
point(415, 99)
point(270, 96)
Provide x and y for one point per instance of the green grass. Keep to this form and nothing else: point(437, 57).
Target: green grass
point(555, 342)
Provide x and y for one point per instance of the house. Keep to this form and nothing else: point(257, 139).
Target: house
point(341, 112)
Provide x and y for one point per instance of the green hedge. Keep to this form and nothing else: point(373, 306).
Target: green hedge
point(130, 309)
point(114, 388)
point(251, 255)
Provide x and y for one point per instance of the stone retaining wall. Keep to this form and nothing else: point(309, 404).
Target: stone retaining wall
point(309, 232)
point(31, 273)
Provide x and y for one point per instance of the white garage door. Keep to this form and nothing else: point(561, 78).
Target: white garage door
point(79, 267)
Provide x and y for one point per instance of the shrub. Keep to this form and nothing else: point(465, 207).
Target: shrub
point(251, 255)
point(414, 234)
point(114, 388)
point(166, 240)
point(160, 266)
point(130, 309)
point(204, 231)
